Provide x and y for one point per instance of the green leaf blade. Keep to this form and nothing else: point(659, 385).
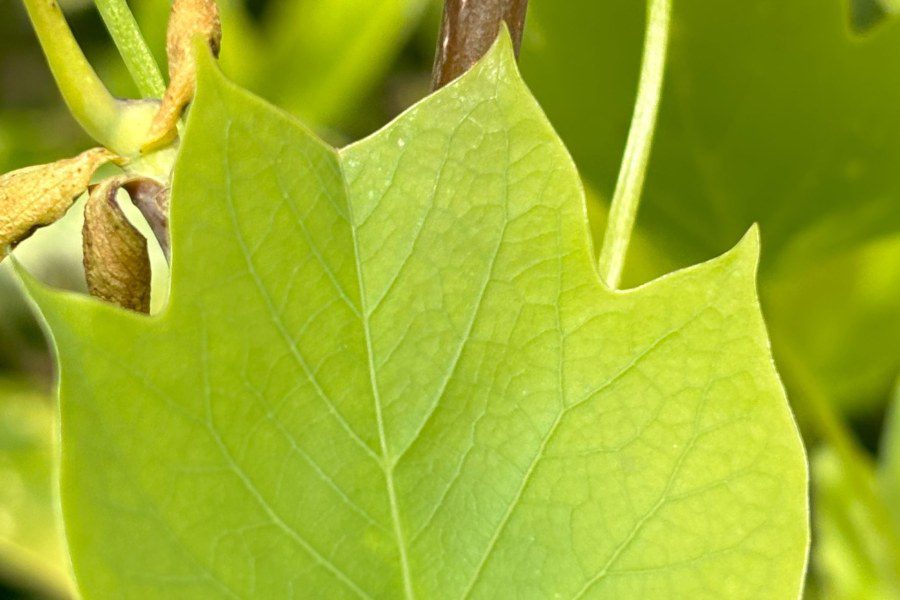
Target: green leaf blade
point(393, 371)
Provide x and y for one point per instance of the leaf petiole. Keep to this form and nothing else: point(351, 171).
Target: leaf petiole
point(134, 50)
point(84, 93)
point(116, 124)
point(626, 197)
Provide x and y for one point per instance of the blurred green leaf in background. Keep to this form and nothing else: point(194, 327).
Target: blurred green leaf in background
point(854, 554)
point(32, 556)
point(319, 60)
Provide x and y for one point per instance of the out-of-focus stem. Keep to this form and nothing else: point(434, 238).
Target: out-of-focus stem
point(116, 124)
point(95, 109)
point(132, 47)
point(468, 29)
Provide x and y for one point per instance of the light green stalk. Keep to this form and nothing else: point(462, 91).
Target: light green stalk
point(134, 50)
point(626, 197)
point(118, 125)
point(87, 98)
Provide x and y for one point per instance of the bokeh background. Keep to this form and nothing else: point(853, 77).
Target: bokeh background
point(781, 112)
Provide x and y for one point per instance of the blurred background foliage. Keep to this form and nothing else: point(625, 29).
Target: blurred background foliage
point(782, 112)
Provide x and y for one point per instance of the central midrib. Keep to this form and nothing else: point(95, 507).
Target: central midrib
point(386, 462)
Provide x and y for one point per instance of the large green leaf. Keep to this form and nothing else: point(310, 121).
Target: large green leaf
point(392, 370)
point(774, 113)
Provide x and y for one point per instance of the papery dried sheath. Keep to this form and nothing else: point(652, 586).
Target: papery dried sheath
point(36, 196)
point(116, 260)
point(189, 20)
point(152, 199)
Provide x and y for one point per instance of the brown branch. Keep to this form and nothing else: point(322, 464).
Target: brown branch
point(468, 30)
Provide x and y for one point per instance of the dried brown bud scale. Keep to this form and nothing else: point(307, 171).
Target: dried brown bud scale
point(189, 20)
point(37, 196)
point(116, 259)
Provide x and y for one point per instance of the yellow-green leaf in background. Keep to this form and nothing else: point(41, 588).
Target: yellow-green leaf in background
point(318, 59)
point(857, 524)
point(32, 552)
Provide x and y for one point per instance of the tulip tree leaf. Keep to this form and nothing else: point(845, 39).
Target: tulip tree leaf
point(392, 371)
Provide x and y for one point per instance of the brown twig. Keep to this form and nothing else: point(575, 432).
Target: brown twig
point(468, 30)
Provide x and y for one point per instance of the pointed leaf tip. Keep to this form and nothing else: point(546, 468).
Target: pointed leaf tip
point(745, 259)
point(749, 246)
point(742, 260)
point(502, 52)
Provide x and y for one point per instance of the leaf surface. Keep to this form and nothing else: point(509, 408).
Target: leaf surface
point(392, 371)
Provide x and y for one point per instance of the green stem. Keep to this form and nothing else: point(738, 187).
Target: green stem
point(88, 100)
point(120, 125)
point(626, 197)
point(132, 47)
